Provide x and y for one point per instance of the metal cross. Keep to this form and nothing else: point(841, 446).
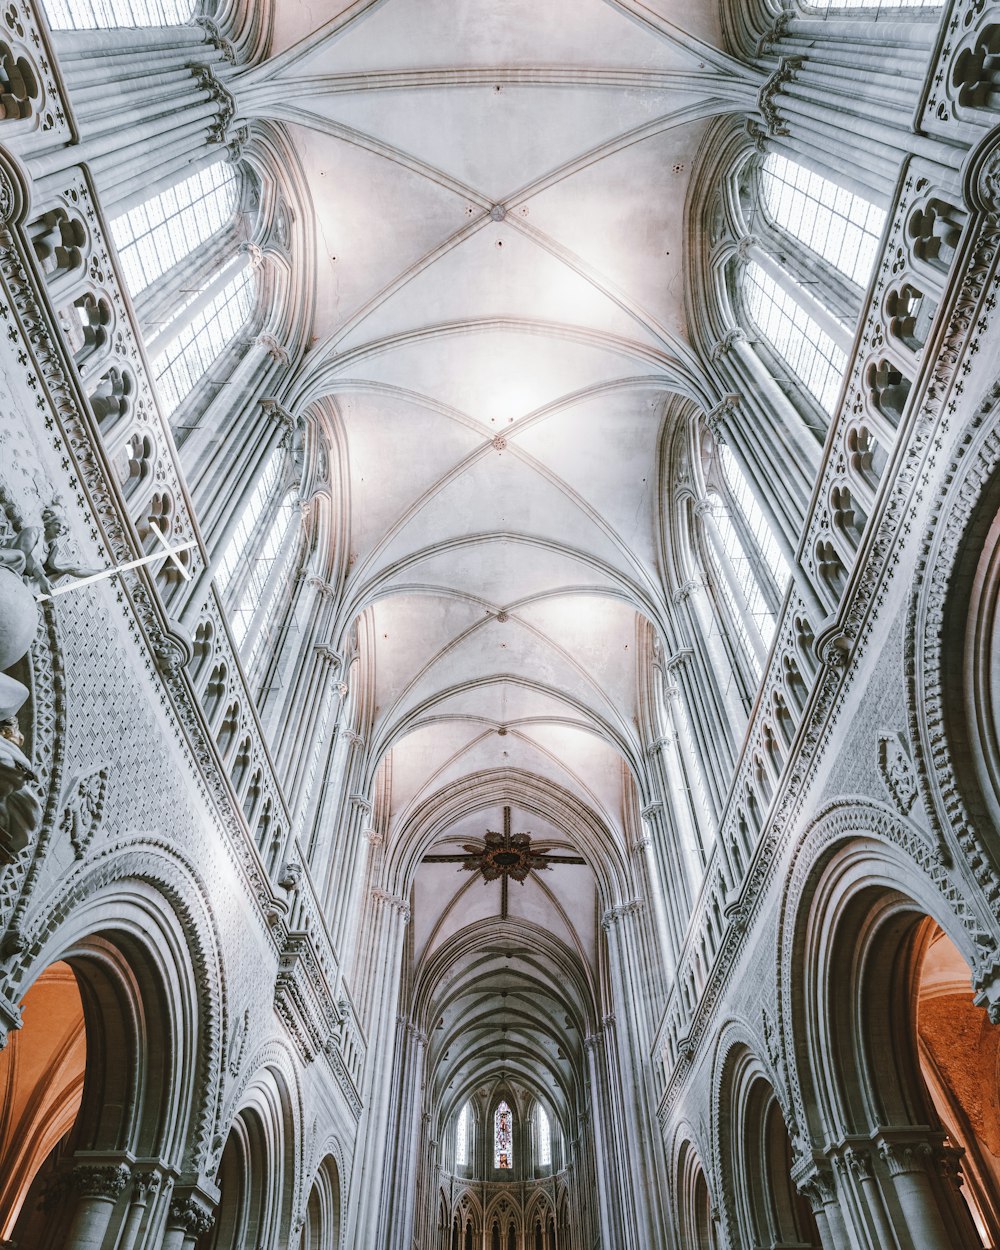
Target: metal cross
point(502, 856)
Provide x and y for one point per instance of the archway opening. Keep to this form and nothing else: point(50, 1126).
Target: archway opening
point(959, 1055)
point(41, 1087)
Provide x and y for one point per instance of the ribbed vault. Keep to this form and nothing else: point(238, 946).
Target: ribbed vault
point(499, 335)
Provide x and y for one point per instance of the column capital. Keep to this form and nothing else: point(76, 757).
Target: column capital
point(786, 72)
point(705, 506)
point(191, 1214)
point(326, 652)
point(383, 898)
point(101, 1180)
point(269, 343)
point(219, 95)
point(687, 589)
point(728, 405)
point(612, 916)
point(275, 411)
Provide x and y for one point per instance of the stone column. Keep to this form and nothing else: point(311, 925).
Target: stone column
point(816, 1183)
point(99, 1186)
point(388, 917)
point(908, 1162)
point(143, 1186)
point(602, 1155)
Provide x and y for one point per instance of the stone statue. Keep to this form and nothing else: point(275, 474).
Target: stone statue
point(36, 553)
point(20, 809)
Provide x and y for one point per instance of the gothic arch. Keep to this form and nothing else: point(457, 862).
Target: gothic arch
point(110, 914)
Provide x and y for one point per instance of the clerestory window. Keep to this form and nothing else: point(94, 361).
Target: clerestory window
point(106, 14)
point(233, 565)
point(834, 223)
point(254, 615)
point(794, 334)
point(155, 235)
point(544, 1130)
point(207, 323)
point(462, 1136)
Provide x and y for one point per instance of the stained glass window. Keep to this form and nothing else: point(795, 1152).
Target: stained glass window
point(462, 1136)
point(105, 14)
point(544, 1139)
point(503, 1136)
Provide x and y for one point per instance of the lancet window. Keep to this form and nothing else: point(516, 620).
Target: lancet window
point(544, 1132)
point(503, 1136)
point(234, 565)
point(159, 233)
point(206, 325)
point(462, 1126)
point(267, 577)
point(106, 14)
point(840, 227)
point(782, 314)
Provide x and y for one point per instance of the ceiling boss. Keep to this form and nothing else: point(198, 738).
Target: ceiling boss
point(502, 856)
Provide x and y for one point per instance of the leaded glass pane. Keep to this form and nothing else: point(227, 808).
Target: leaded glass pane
point(503, 1136)
point(755, 519)
point(841, 227)
point(274, 557)
point(188, 355)
point(235, 556)
point(797, 338)
point(103, 14)
point(161, 231)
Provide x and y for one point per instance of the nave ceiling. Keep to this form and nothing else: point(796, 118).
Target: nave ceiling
point(499, 328)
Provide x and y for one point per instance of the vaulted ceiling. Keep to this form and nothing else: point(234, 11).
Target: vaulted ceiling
point(500, 236)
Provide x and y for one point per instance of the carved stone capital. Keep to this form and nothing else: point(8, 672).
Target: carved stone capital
point(219, 95)
point(101, 1180)
point(325, 652)
point(214, 35)
point(269, 343)
point(745, 247)
point(687, 589)
point(614, 914)
point(705, 507)
point(276, 412)
point(383, 898)
point(903, 1158)
point(767, 98)
point(189, 1214)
